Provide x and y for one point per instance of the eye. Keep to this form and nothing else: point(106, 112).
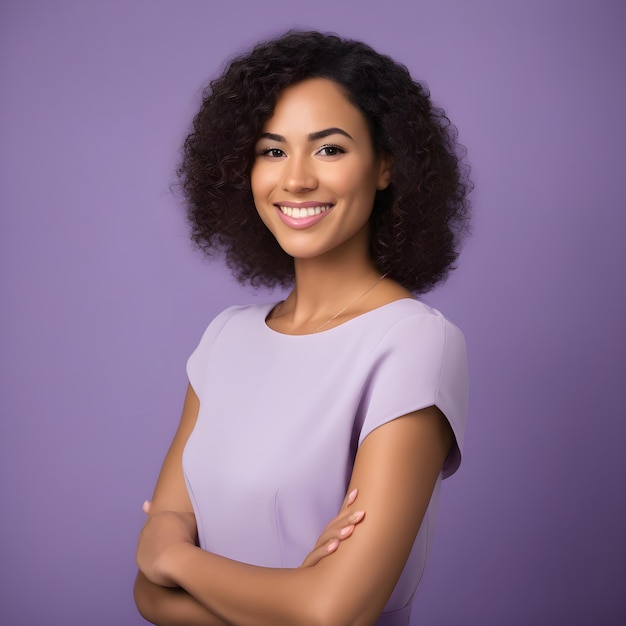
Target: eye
point(330, 150)
point(272, 153)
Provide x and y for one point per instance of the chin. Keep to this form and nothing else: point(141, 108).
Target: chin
point(302, 246)
point(300, 252)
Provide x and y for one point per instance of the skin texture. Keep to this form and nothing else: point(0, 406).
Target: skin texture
point(396, 466)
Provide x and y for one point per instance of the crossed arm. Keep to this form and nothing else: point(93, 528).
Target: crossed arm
point(395, 471)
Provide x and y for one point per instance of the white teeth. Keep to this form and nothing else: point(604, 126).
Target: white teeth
point(297, 212)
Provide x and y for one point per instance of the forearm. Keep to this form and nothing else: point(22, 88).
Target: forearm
point(258, 596)
point(169, 606)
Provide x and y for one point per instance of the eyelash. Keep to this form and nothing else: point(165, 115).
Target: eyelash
point(271, 152)
point(332, 146)
point(268, 152)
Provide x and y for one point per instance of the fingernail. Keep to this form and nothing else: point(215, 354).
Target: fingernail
point(356, 516)
point(332, 545)
point(352, 496)
point(346, 530)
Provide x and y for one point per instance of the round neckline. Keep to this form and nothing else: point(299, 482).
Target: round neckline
point(272, 305)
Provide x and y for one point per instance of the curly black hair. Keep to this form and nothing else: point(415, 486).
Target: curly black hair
point(417, 222)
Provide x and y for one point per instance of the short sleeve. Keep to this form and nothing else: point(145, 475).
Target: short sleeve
point(199, 358)
point(420, 362)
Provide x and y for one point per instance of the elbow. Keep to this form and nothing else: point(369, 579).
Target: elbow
point(337, 601)
point(144, 600)
point(328, 618)
point(336, 611)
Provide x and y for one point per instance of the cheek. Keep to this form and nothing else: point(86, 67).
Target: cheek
point(356, 180)
point(260, 180)
point(261, 189)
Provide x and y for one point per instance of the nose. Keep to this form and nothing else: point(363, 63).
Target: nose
point(298, 175)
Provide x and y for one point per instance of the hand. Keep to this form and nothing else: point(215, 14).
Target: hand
point(162, 532)
point(339, 528)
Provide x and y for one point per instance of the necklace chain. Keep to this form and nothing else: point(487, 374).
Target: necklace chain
point(345, 308)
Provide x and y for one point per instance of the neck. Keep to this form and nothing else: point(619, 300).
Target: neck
point(319, 287)
point(326, 284)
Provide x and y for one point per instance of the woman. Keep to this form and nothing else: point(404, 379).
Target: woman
point(316, 162)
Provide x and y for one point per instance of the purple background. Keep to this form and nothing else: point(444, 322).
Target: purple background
point(102, 298)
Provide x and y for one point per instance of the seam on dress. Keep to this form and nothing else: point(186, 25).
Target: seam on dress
point(278, 531)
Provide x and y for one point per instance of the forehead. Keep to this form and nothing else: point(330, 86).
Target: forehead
point(312, 105)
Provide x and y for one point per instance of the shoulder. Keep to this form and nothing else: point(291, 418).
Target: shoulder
point(414, 337)
point(421, 340)
point(229, 321)
point(419, 360)
point(237, 314)
point(412, 322)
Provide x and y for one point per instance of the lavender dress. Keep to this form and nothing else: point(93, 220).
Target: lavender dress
point(281, 418)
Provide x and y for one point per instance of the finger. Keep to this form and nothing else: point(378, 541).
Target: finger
point(356, 517)
point(350, 498)
point(341, 528)
point(346, 531)
point(318, 554)
point(347, 519)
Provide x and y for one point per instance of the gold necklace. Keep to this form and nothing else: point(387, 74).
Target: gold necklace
point(345, 308)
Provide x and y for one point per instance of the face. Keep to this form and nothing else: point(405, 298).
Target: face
point(315, 173)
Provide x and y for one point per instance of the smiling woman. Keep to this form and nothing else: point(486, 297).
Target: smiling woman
point(316, 174)
point(301, 486)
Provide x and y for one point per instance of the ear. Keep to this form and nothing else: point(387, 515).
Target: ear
point(384, 172)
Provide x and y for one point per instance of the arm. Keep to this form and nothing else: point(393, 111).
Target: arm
point(162, 605)
point(168, 606)
point(395, 469)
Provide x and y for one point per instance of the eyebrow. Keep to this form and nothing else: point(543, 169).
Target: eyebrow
point(320, 134)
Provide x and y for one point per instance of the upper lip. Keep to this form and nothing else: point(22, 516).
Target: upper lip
point(303, 205)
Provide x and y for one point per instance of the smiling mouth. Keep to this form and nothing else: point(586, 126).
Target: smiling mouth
point(301, 212)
